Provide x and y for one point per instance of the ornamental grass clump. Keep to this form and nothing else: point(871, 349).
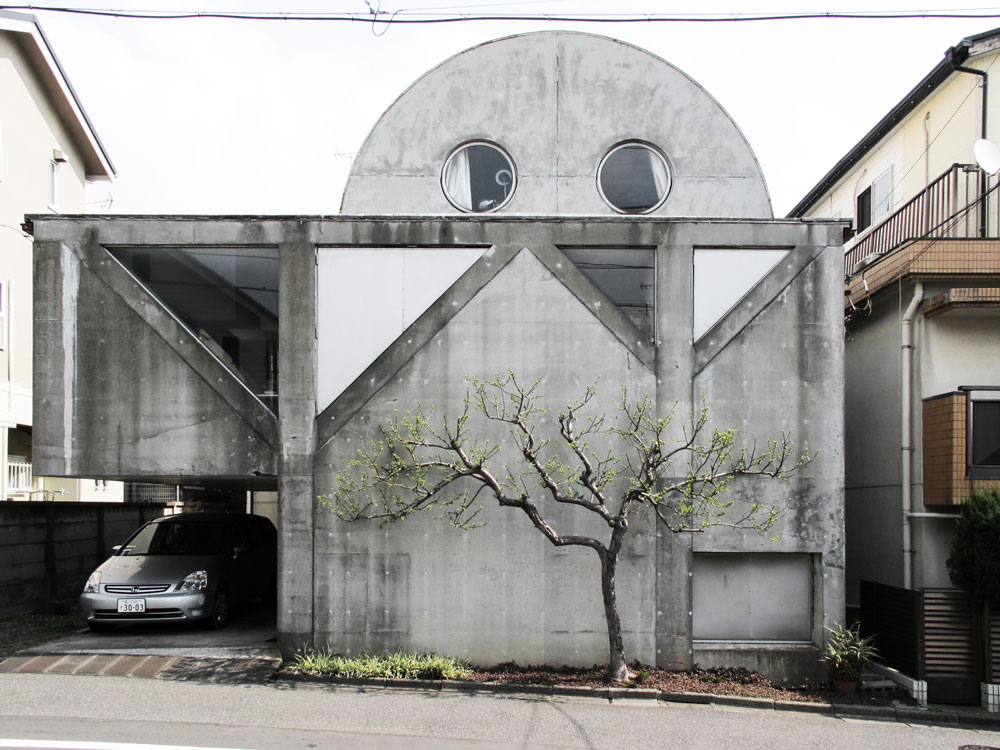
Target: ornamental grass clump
point(398, 665)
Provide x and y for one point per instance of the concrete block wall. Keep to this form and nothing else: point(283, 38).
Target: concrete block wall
point(49, 549)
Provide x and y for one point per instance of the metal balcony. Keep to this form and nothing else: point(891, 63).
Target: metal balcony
point(953, 206)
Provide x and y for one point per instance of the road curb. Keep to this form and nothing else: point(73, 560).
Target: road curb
point(903, 714)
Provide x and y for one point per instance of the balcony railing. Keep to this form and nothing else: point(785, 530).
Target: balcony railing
point(948, 208)
point(18, 475)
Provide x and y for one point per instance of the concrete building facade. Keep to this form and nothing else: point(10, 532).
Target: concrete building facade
point(640, 252)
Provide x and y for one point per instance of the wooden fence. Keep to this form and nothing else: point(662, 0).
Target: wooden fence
point(937, 635)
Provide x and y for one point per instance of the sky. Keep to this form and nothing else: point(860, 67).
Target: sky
point(213, 116)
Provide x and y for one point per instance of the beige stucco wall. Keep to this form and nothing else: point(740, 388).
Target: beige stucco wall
point(29, 131)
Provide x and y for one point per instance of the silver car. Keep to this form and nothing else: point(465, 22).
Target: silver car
point(191, 566)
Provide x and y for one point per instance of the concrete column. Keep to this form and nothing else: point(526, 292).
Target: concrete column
point(296, 425)
point(674, 370)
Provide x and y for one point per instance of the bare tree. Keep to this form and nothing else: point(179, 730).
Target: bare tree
point(640, 460)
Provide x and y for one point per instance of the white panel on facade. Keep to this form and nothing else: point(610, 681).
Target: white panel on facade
point(367, 297)
point(752, 596)
point(722, 277)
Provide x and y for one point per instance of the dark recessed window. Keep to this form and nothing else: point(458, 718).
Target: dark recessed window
point(227, 297)
point(625, 275)
point(864, 212)
point(633, 178)
point(478, 177)
point(985, 434)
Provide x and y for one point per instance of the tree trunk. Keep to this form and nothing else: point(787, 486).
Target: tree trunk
point(617, 668)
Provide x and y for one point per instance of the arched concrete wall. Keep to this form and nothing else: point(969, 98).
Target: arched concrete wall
point(557, 102)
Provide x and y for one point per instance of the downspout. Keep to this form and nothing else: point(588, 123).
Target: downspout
point(951, 56)
point(907, 418)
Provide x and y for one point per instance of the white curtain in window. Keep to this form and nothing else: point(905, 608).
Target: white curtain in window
point(660, 176)
point(457, 180)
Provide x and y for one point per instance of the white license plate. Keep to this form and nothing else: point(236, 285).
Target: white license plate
point(131, 606)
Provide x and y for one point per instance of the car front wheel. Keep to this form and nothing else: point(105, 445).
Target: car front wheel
point(220, 611)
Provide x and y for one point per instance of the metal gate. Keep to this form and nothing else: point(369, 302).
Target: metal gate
point(934, 635)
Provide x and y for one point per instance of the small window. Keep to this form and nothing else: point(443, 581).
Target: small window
point(864, 212)
point(627, 275)
point(478, 177)
point(633, 178)
point(53, 185)
point(875, 201)
point(4, 293)
point(882, 196)
point(985, 437)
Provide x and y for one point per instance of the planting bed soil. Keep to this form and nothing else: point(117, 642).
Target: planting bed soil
point(717, 681)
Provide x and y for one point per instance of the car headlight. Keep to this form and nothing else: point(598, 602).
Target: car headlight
point(93, 584)
point(196, 581)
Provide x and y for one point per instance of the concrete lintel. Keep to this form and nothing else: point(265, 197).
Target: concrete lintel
point(423, 230)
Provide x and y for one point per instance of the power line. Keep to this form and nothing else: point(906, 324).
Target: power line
point(401, 17)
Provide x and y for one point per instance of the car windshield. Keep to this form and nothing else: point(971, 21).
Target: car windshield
point(178, 538)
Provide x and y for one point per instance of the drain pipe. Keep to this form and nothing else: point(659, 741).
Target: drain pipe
point(907, 418)
point(952, 55)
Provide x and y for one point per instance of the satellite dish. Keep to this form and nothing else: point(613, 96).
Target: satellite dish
point(987, 156)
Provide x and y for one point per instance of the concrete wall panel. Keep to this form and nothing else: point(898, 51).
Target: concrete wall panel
point(480, 593)
point(124, 399)
point(557, 102)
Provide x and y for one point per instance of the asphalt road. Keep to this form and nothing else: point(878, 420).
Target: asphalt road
point(255, 717)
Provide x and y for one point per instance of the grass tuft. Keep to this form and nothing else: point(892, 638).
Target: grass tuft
point(397, 665)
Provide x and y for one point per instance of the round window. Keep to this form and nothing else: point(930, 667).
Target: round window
point(633, 178)
point(478, 177)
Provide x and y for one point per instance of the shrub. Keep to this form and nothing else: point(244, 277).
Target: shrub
point(974, 564)
point(846, 652)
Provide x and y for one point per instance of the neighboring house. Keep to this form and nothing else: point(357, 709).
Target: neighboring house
point(567, 206)
point(48, 151)
point(923, 327)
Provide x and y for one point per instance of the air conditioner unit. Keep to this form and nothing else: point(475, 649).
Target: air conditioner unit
point(862, 264)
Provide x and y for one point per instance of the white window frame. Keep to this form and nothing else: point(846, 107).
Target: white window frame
point(4, 307)
point(53, 184)
point(882, 196)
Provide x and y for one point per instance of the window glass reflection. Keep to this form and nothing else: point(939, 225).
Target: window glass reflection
point(228, 297)
point(478, 177)
point(626, 276)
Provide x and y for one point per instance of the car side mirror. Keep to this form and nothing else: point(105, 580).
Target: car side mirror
point(116, 549)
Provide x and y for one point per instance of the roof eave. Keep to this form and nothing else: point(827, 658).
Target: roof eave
point(40, 55)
